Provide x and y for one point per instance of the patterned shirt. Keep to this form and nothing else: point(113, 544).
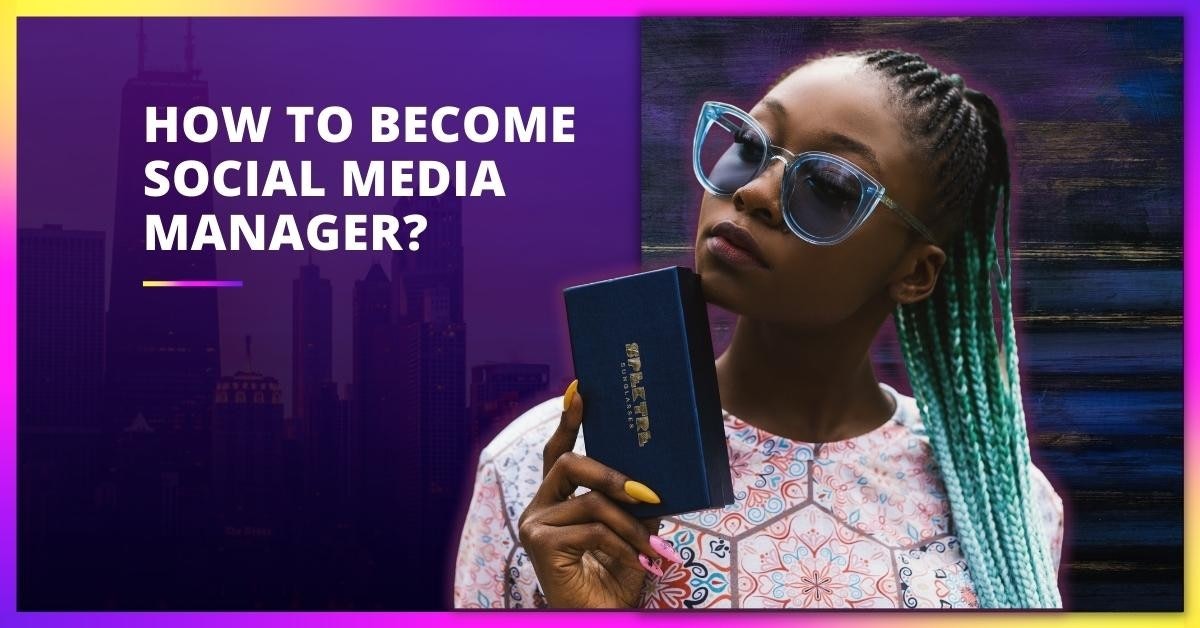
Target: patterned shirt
point(863, 523)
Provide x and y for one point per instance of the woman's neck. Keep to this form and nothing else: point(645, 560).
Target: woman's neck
point(806, 386)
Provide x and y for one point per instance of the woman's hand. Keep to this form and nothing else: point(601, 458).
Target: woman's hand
point(587, 551)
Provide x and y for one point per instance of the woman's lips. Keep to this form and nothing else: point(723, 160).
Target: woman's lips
point(735, 245)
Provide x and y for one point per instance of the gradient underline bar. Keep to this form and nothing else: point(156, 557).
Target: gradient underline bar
point(174, 283)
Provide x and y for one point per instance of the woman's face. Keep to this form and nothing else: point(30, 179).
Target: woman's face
point(836, 106)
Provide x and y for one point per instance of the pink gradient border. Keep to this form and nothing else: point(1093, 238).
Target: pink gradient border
point(8, 615)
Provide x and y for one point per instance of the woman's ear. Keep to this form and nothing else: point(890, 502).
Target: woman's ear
point(917, 274)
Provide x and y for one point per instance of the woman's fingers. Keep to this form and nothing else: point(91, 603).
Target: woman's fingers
point(563, 439)
point(595, 506)
point(653, 524)
point(572, 470)
point(593, 521)
point(574, 540)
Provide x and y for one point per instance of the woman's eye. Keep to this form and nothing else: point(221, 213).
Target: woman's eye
point(834, 191)
point(750, 148)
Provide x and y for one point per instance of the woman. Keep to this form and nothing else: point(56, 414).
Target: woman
point(863, 184)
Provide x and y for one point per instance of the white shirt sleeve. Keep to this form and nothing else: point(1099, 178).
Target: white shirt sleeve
point(492, 569)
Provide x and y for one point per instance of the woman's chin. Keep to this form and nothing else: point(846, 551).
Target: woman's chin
point(721, 289)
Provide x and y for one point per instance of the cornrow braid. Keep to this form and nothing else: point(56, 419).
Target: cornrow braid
point(965, 379)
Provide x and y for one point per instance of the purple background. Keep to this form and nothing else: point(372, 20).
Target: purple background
point(571, 210)
point(570, 216)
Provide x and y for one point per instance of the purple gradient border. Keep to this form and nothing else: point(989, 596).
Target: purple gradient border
point(1190, 13)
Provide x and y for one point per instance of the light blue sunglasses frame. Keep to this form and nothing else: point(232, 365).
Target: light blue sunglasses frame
point(873, 193)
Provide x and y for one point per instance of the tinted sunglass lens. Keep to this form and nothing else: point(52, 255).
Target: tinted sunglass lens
point(822, 196)
point(731, 152)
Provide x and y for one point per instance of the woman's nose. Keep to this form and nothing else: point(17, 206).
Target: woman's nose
point(760, 196)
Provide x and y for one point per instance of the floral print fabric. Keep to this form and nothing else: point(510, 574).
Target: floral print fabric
point(858, 523)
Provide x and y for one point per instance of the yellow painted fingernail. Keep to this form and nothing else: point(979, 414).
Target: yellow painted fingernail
point(641, 492)
point(569, 396)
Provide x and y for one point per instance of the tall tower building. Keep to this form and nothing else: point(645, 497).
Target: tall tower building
point(427, 289)
point(60, 316)
point(163, 355)
point(388, 434)
point(312, 344)
point(60, 362)
point(328, 466)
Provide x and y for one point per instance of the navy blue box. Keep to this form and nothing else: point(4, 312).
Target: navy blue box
point(643, 355)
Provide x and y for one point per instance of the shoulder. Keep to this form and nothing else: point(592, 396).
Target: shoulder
point(907, 413)
point(1044, 494)
point(1047, 504)
point(492, 569)
point(514, 456)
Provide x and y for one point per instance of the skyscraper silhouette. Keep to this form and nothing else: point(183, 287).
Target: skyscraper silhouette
point(387, 435)
point(327, 500)
point(60, 310)
point(163, 354)
point(312, 344)
point(427, 287)
point(162, 358)
point(60, 318)
point(386, 401)
point(318, 429)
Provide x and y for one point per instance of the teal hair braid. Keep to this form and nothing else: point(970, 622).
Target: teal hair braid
point(1001, 460)
point(976, 423)
point(964, 374)
point(1051, 594)
point(913, 346)
point(971, 434)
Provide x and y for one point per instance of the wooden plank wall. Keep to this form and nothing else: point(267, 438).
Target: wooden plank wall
point(1094, 112)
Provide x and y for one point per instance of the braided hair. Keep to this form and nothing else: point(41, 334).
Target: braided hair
point(965, 381)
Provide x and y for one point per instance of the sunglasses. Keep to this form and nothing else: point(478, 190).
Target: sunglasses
point(824, 198)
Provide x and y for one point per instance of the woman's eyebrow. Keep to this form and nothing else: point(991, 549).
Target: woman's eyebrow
point(832, 139)
point(847, 143)
point(777, 109)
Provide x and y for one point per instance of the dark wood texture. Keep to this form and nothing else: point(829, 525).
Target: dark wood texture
point(1093, 109)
